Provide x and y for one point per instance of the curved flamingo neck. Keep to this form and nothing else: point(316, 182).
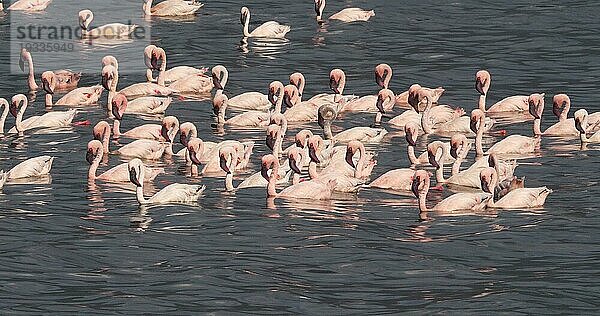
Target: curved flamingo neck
point(411, 155)
point(312, 170)
point(425, 120)
point(31, 78)
point(3, 117)
point(139, 194)
point(116, 128)
point(423, 197)
point(271, 192)
point(482, 102)
point(160, 80)
point(479, 138)
point(19, 118)
point(246, 23)
point(279, 102)
point(147, 7)
point(537, 129)
point(378, 117)
point(583, 137)
point(361, 164)
point(277, 149)
point(94, 166)
point(48, 100)
point(456, 165)
point(149, 75)
point(225, 77)
point(112, 91)
point(439, 171)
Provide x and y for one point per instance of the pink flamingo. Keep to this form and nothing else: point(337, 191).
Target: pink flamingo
point(119, 173)
point(270, 29)
point(511, 145)
point(516, 199)
point(517, 103)
point(29, 5)
point(171, 8)
point(5, 110)
point(248, 100)
point(53, 119)
point(249, 118)
point(153, 54)
point(31, 168)
point(581, 123)
point(66, 79)
point(143, 105)
point(347, 15)
point(83, 96)
point(112, 30)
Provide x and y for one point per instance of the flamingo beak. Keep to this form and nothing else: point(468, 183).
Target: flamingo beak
point(556, 109)
point(578, 125)
point(454, 152)
point(106, 81)
point(116, 111)
point(46, 86)
point(164, 132)
point(349, 155)
point(270, 141)
point(287, 100)
point(133, 177)
point(312, 152)
point(334, 85)
point(90, 155)
point(217, 82)
point(410, 139)
point(415, 186)
point(22, 63)
point(223, 162)
point(271, 96)
point(432, 160)
point(14, 109)
point(379, 105)
point(473, 125)
point(264, 171)
point(294, 166)
point(479, 86)
point(413, 100)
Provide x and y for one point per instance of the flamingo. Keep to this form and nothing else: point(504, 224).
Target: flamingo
point(228, 158)
point(110, 60)
point(173, 193)
point(110, 80)
point(153, 53)
point(248, 100)
point(140, 148)
point(581, 123)
point(327, 114)
point(212, 166)
point(516, 199)
point(119, 173)
point(31, 168)
point(511, 145)
point(112, 30)
point(29, 5)
point(5, 110)
point(313, 190)
point(276, 133)
point(172, 7)
point(452, 204)
point(158, 132)
point(18, 106)
point(561, 104)
point(346, 15)
point(141, 105)
point(383, 75)
point(411, 133)
point(516, 103)
point(66, 79)
point(270, 29)
point(83, 96)
point(536, 109)
point(298, 111)
point(249, 118)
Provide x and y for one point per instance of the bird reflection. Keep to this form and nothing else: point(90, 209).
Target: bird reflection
point(141, 221)
point(264, 47)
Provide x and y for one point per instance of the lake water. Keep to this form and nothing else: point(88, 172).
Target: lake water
point(70, 246)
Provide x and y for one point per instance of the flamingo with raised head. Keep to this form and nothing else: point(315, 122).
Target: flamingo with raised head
point(270, 29)
point(112, 30)
point(345, 15)
point(119, 173)
point(66, 79)
point(581, 123)
point(83, 96)
point(52, 119)
point(173, 193)
point(516, 103)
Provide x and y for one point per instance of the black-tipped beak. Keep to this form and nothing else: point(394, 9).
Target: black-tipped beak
point(454, 152)
point(479, 86)
point(379, 105)
point(312, 152)
point(46, 86)
point(89, 156)
point(578, 125)
point(223, 163)
point(270, 141)
point(413, 100)
point(349, 155)
point(473, 126)
point(432, 160)
point(294, 166)
point(271, 96)
point(264, 172)
point(133, 177)
point(13, 109)
point(415, 187)
point(194, 157)
point(105, 81)
point(217, 82)
point(21, 61)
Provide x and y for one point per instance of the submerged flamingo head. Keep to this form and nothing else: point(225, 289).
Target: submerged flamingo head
point(413, 96)
point(581, 120)
point(195, 147)
point(476, 116)
point(275, 90)
point(228, 158)
point(244, 14)
point(383, 75)
point(85, 18)
point(101, 130)
point(272, 135)
point(219, 101)
point(411, 132)
point(433, 153)
point(94, 149)
point(420, 182)
point(187, 130)
point(49, 81)
point(290, 95)
point(136, 171)
point(457, 143)
point(560, 101)
point(169, 128)
point(351, 149)
point(268, 162)
point(482, 81)
point(384, 97)
point(536, 105)
point(119, 105)
point(298, 80)
point(315, 144)
point(337, 81)
point(302, 138)
point(488, 178)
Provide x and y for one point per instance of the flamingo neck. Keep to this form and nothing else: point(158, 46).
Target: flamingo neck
point(327, 130)
point(482, 102)
point(491, 201)
point(312, 170)
point(425, 119)
point(160, 80)
point(479, 138)
point(360, 165)
point(31, 77)
point(149, 75)
point(94, 167)
point(105, 142)
point(229, 181)
point(279, 102)
point(423, 199)
point(48, 100)
point(116, 128)
point(271, 192)
point(139, 194)
point(411, 155)
point(111, 95)
point(224, 79)
point(456, 165)
point(565, 112)
point(537, 130)
point(221, 115)
point(378, 117)
point(583, 137)
point(301, 89)
point(296, 178)
point(19, 118)
point(3, 118)
point(169, 149)
point(194, 170)
point(147, 6)
point(246, 23)
point(439, 171)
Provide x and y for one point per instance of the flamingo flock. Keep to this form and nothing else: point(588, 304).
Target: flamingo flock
point(304, 165)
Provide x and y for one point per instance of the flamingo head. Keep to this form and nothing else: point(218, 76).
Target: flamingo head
point(169, 128)
point(351, 149)
point(488, 178)
point(302, 138)
point(148, 52)
point(187, 130)
point(49, 81)
point(457, 142)
point(291, 95)
point(581, 120)
point(337, 81)
point(476, 116)
point(275, 89)
point(25, 56)
point(136, 171)
point(298, 80)
point(218, 74)
point(326, 115)
point(119, 105)
point(411, 132)
point(420, 182)
point(433, 149)
point(94, 149)
point(109, 74)
point(244, 14)
point(536, 105)
point(16, 103)
point(383, 75)
point(268, 162)
point(110, 60)
point(195, 147)
point(219, 101)
point(559, 101)
point(482, 81)
point(273, 132)
point(315, 144)
point(100, 130)
point(85, 18)
point(294, 156)
point(413, 96)
point(227, 158)
point(384, 97)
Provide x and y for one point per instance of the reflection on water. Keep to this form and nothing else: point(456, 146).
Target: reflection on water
point(73, 245)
